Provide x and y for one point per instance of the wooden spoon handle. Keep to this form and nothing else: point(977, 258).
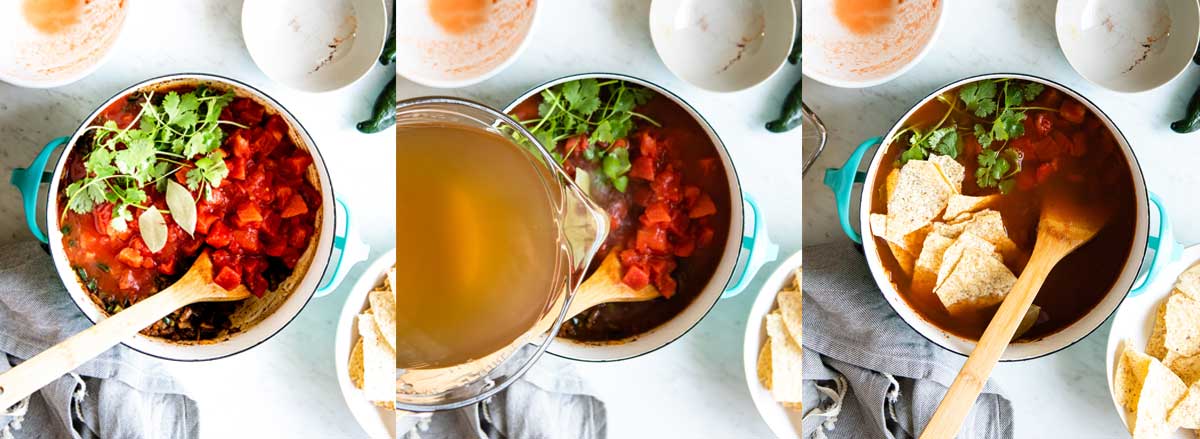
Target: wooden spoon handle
point(36, 372)
point(975, 372)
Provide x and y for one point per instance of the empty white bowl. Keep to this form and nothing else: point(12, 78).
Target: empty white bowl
point(836, 56)
point(315, 45)
point(1128, 46)
point(720, 45)
point(429, 55)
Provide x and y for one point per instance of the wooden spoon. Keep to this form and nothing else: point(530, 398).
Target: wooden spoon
point(603, 286)
point(195, 286)
point(1066, 223)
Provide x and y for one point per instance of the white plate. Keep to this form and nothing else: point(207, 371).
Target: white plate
point(30, 57)
point(783, 422)
point(1128, 46)
point(1134, 321)
point(720, 45)
point(428, 55)
point(836, 56)
point(315, 45)
point(379, 422)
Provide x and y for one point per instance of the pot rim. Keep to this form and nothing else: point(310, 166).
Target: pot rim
point(1135, 259)
point(736, 225)
point(160, 348)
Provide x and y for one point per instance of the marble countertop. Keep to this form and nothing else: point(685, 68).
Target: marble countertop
point(695, 386)
point(1065, 394)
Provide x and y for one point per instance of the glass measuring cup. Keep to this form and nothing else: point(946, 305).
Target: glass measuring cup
point(582, 226)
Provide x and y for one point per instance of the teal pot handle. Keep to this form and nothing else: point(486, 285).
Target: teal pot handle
point(351, 250)
point(29, 180)
point(756, 245)
point(1166, 249)
point(842, 181)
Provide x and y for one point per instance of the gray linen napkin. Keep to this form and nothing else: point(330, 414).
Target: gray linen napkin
point(549, 402)
point(867, 373)
point(120, 394)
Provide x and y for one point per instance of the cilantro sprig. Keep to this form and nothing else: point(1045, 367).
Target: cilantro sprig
point(998, 108)
point(604, 112)
point(180, 132)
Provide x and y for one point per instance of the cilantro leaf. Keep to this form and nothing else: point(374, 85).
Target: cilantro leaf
point(980, 97)
point(1032, 90)
point(983, 136)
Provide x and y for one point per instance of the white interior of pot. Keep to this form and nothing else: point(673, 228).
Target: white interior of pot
point(247, 337)
point(703, 302)
point(1053, 342)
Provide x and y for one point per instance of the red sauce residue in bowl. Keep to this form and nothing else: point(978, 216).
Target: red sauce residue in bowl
point(865, 16)
point(52, 16)
point(459, 16)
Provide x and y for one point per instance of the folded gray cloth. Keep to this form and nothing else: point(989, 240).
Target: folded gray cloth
point(549, 402)
point(867, 373)
point(120, 394)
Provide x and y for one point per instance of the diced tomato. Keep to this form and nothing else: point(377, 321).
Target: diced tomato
point(237, 168)
point(181, 174)
point(228, 278)
point(247, 213)
point(705, 236)
point(247, 239)
point(685, 248)
point(666, 185)
point(707, 166)
point(295, 206)
point(636, 278)
point(647, 145)
point(1045, 170)
point(204, 222)
point(1042, 124)
point(704, 207)
point(127, 281)
point(643, 168)
point(102, 218)
point(296, 164)
point(1072, 111)
point(575, 145)
point(246, 111)
point(239, 144)
point(657, 213)
point(654, 239)
point(219, 235)
point(130, 257)
point(666, 286)
point(275, 248)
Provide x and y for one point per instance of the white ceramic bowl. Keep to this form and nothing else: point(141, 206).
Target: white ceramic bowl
point(783, 422)
point(1134, 323)
point(36, 59)
point(1128, 46)
point(1050, 343)
point(315, 45)
point(428, 55)
point(836, 56)
point(378, 422)
point(723, 46)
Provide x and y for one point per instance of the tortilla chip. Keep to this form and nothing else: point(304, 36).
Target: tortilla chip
point(1186, 368)
point(356, 364)
point(920, 196)
point(949, 230)
point(989, 225)
point(391, 277)
point(764, 364)
point(1027, 322)
point(1149, 391)
point(925, 271)
point(955, 250)
point(889, 184)
point(951, 170)
point(903, 257)
point(1189, 282)
point(1186, 413)
point(977, 280)
point(791, 309)
point(1157, 346)
point(962, 205)
point(1183, 331)
point(786, 366)
point(879, 225)
point(379, 361)
point(383, 306)
point(797, 275)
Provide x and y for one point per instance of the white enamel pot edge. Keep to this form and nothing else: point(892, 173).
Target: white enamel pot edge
point(1054, 342)
point(722, 276)
point(248, 337)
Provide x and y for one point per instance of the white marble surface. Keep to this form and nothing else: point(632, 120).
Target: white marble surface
point(694, 387)
point(285, 387)
point(1065, 394)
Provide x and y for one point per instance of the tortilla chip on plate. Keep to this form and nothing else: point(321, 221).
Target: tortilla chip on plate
point(1182, 321)
point(963, 205)
point(791, 309)
point(356, 364)
point(1157, 346)
point(952, 254)
point(920, 196)
point(925, 270)
point(764, 364)
point(786, 365)
point(797, 277)
point(977, 280)
point(379, 361)
point(1189, 282)
point(1186, 368)
point(1186, 413)
point(383, 307)
point(1149, 391)
point(951, 170)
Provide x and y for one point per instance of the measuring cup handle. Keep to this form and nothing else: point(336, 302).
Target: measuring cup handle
point(351, 250)
point(756, 244)
point(29, 180)
point(1166, 249)
point(842, 181)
